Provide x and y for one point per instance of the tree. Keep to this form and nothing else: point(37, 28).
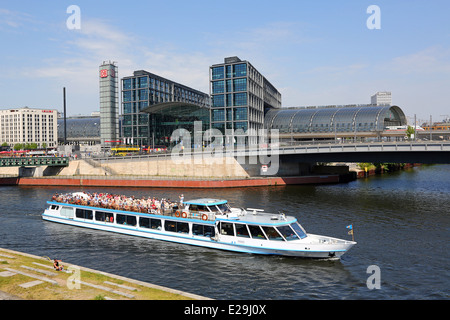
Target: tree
point(410, 132)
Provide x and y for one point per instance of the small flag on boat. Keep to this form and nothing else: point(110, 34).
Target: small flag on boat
point(350, 226)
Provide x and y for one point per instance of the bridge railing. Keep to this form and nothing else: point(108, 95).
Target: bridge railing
point(367, 147)
point(34, 161)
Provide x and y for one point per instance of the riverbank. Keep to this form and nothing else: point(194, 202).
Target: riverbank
point(160, 182)
point(28, 277)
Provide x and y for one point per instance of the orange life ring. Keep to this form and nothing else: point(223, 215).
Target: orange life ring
point(184, 214)
point(204, 217)
point(177, 213)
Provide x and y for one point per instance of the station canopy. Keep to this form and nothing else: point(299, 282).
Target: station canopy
point(166, 117)
point(354, 118)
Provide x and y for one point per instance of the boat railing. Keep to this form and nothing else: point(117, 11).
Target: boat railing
point(171, 212)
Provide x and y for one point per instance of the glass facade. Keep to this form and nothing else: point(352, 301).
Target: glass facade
point(143, 90)
point(240, 96)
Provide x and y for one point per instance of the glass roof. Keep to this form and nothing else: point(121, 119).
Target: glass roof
point(329, 119)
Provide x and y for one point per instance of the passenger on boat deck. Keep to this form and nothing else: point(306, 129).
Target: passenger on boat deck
point(57, 266)
point(118, 202)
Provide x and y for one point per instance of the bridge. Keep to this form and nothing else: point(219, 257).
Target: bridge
point(34, 162)
point(376, 152)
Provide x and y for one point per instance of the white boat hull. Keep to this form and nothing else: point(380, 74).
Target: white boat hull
point(312, 246)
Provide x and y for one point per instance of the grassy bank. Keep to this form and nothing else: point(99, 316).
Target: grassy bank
point(34, 278)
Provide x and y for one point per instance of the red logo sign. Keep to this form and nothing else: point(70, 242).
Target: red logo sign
point(103, 73)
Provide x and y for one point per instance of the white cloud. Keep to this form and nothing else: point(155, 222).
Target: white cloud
point(432, 60)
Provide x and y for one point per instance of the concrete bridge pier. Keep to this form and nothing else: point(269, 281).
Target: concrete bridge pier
point(41, 171)
point(277, 166)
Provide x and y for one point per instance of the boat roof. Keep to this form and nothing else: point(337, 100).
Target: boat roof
point(206, 201)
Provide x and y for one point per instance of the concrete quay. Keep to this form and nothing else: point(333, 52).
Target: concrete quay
point(165, 173)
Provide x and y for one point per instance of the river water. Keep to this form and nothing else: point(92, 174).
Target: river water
point(401, 223)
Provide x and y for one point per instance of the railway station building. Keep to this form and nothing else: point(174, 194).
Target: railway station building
point(331, 122)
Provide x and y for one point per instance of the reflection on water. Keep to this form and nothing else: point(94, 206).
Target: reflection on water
point(401, 223)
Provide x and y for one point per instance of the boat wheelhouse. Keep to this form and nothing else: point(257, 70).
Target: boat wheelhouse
point(207, 222)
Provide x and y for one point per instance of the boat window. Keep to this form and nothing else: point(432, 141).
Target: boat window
point(109, 217)
point(150, 223)
point(256, 232)
point(173, 226)
point(224, 208)
point(202, 208)
point(104, 216)
point(272, 234)
point(99, 216)
point(241, 230)
point(67, 212)
point(54, 207)
point(182, 227)
point(170, 226)
point(226, 229)
point(155, 224)
point(287, 233)
point(126, 219)
point(299, 230)
point(202, 230)
point(144, 222)
point(83, 214)
point(193, 207)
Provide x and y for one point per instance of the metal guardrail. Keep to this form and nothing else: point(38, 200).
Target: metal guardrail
point(34, 161)
point(367, 147)
point(302, 149)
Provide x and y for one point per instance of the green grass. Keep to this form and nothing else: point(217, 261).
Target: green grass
point(61, 291)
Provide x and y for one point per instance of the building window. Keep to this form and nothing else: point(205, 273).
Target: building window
point(229, 85)
point(218, 115)
point(240, 70)
point(240, 113)
point(241, 125)
point(126, 84)
point(218, 87)
point(229, 100)
point(143, 94)
point(218, 100)
point(229, 72)
point(240, 99)
point(127, 96)
point(217, 73)
point(143, 82)
point(240, 84)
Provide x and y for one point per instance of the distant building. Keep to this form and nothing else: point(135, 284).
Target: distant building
point(26, 125)
point(240, 97)
point(80, 130)
point(109, 104)
point(383, 98)
point(153, 107)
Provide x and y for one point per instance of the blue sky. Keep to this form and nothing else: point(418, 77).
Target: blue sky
point(314, 52)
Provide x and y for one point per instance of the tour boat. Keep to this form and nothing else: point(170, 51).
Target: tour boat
point(208, 223)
